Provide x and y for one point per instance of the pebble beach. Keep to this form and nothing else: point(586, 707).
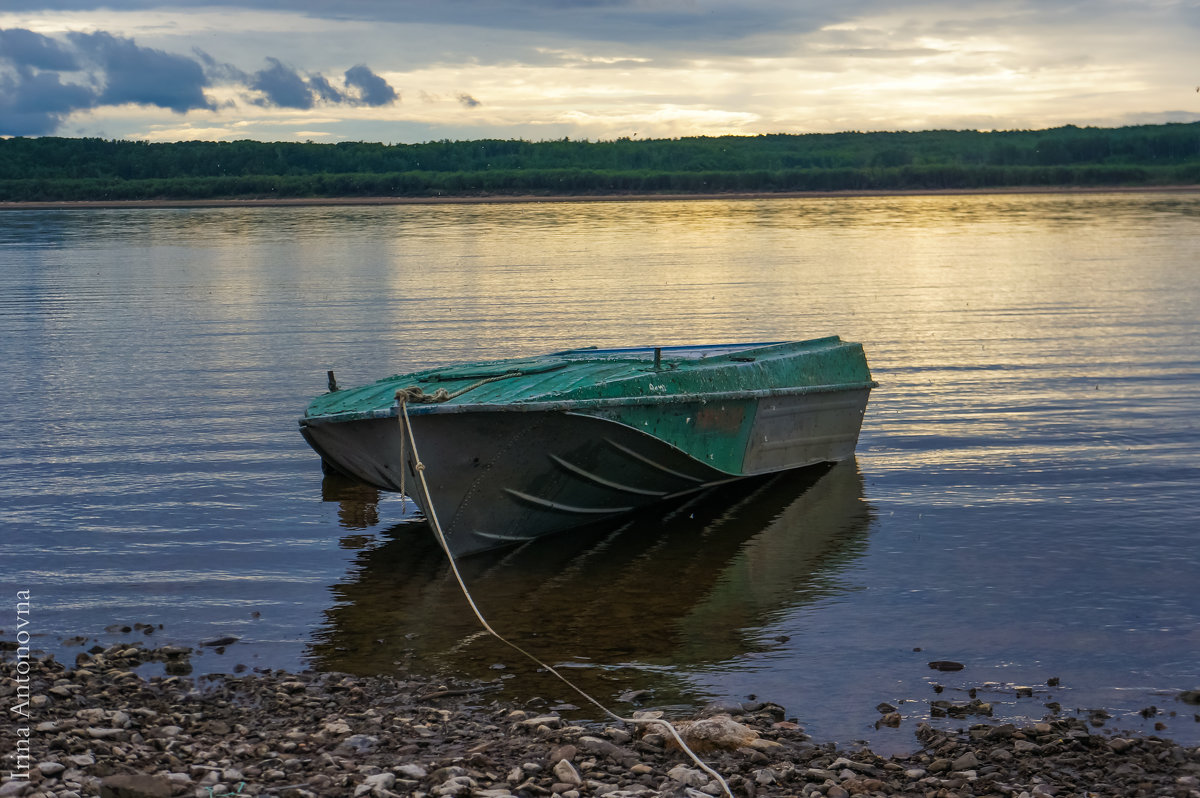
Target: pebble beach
point(106, 726)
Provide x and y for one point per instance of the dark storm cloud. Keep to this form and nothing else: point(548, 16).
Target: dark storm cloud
point(282, 86)
point(33, 98)
point(25, 48)
point(43, 80)
point(34, 104)
point(373, 90)
point(143, 75)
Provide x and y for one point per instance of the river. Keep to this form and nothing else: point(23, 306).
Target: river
point(1024, 500)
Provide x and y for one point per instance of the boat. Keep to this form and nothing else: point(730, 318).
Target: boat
point(512, 450)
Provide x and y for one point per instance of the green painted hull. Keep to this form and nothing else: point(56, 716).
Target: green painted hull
point(523, 448)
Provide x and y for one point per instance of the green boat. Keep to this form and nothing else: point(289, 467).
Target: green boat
point(516, 449)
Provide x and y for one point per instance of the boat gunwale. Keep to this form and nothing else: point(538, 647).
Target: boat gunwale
point(576, 405)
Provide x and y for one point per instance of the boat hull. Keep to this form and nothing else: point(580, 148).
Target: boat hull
point(504, 475)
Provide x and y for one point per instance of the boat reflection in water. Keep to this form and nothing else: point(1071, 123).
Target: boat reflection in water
point(632, 606)
point(358, 502)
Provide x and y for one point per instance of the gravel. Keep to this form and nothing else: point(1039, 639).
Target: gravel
point(100, 728)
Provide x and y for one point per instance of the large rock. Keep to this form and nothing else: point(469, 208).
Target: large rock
point(720, 732)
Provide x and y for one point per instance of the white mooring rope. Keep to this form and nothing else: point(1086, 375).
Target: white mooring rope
point(419, 467)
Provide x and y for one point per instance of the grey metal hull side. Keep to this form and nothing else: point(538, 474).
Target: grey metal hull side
point(804, 429)
point(498, 478)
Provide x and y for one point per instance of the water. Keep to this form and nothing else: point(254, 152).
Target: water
point(1024, 498)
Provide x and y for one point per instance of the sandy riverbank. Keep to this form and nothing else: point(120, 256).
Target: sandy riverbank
point(268, 202)
point(103, 727)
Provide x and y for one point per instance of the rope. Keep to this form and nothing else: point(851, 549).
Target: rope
point(419, 467)
point(414, 393)
point(417, 395)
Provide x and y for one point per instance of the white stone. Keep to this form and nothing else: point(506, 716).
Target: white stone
point(565, 772)
point(412, 770)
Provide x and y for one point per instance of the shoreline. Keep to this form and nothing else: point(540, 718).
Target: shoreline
point(105, 727)
point(268, 202)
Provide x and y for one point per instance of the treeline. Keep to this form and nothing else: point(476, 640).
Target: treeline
point(33, 169)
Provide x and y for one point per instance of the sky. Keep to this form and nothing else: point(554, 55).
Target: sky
point(409, 71)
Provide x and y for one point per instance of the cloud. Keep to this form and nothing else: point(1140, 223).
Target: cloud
point(142, 75)
point(44, 80)
point(35, 104)
point(24, 48)
point(469, 101)
point(325, 90)
point(373, 90)
point(282, 86)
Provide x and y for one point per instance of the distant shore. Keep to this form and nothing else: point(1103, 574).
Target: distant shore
point(268, 202)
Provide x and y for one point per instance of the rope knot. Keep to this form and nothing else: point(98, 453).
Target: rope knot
point(417, 396)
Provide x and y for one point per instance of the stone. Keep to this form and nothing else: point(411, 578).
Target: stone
point(14, 788)
point(105, 734)
point(458, 785)
point(939, 765)
point(220, 642)
point(135, 785)
point(566, 773)
point(687, 776)
point(51, 768)
point(967, 761)
point(618, 736)
point(411, 770)
point(594, 745)
point(566, 752)
point(358, 744)
point(945, 665)
point(383, 781)
point(720, 732)
point(723, 708)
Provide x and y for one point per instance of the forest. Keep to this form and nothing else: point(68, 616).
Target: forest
point(76, 169)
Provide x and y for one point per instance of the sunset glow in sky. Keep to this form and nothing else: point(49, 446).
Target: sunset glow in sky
point(408, 71)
